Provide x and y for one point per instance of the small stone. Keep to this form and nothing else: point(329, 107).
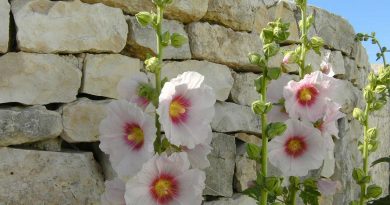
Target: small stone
point(53, 145)
point(217, 76)
point(245, 172)
point(41, 177)
point(237, 199)
point(37, 79)
point(102, 73)
point(81, 120)
point(223, 45)
point(4, 25)
point(351, 69)
point(142, 40)
point(243, 91)
point(32, 124)
point(69, 27)
point(230, 117)
point(248, 138)
point(219, 176)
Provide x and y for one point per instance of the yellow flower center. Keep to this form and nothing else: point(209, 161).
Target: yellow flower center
point(136, 135)
point(163, 188)
point(305, 94)
point(294, 145)
point(176, 109)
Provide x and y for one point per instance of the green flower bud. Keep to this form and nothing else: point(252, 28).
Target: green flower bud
point(316, 44)
point(373, 146)
point(358, 115)
point(253, 151)
point(377, 105)
point(254, 58)
point(259, 83)
point(271, 49)
point(374, 191)
point(380, 89)
point(177, 40)
point(144, 18)
point(372, 133)
point(357, 174)
point(369, 95)
point(260, 107)
point(152, 64)
point(275, 129)
point(165, 39)
point(267, 35)
point(272, 183)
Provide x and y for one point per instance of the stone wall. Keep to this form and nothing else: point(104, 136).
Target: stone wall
point(61, 61)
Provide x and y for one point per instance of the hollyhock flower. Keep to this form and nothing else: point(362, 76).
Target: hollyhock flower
point(186, 109)
point(298, 150)
point(114, 193)
point(166, 181)
point(128, 89)
point(275, 95)
point(127, 135)
point(198, 155)
point(307, 99)
point(325, 67)
point(328, 187)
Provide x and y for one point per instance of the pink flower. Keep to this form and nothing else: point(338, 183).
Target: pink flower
point(198, 155)
point(307, 99)
point(127, 135)
point(128, 89)
point(166, 181)
point(114, 193)
point(325, 67)
point(278, 112)
point(298, 150)
point(328, 187)
point(186, 109)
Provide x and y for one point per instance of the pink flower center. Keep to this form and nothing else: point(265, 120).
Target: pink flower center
point(164, 189)
point(134, 136)
point(307, 94)
point(295, 146)
point(178, 109)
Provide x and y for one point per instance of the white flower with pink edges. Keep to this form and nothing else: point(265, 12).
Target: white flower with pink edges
point(128, 89)
point(114, 193)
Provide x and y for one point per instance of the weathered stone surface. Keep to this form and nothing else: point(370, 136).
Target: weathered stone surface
point(182, 10)
point(37, 79)
point(222, 45)
point(69, 27)
point(245, 172)
point(237, 199)
point(347, 157)
point(380, 172)
point(362, 60)
point(219, 176)
point(230, 117)
point(81, 120)
point(347, 96)
point(53, 145)
point(21, 125)
point(104, 161)
point(217, 76)
point(102, 73)
point(40, 177)
point(142, 40)
point(325, 25)
point(4, 25)
point(248, 138)
point(351, 69)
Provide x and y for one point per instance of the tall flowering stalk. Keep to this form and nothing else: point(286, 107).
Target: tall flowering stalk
point(376, 94)
point(153, 168)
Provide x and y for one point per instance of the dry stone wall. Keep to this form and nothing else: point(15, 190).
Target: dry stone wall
point(61, 61)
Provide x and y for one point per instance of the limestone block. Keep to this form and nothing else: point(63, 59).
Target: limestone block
point(230, 117)
point(40, 177)
point(32, 124)
point(69, 27)
point(245, 172)
point(37, 79)
point(53, 145)
point(219, 176)
point(243, 91)
point(142, 40)
point(104, 161)
point(102, 73)
point(237, 199)
point(81, 120)
point(217, 76)
point(223, 45)
point(4, 25)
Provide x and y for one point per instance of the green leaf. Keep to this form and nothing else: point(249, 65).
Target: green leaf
point(374, 191)
point(354, 203)
point(177, 40)
point(275, 129)
point(271, 49)
point(253, 151)
point(381, 201)
point(253, 192)
point(274, 73)
point(147, 91)
point(357, 174)
point(267, 35)
point(144, 18)
point(380, 160)
point(259, 83)
point(259, 107)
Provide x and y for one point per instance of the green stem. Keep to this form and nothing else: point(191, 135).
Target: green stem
point(160, 50)
point(365, 156)
point(302, 58)
point(383, 53)
point(264, 144)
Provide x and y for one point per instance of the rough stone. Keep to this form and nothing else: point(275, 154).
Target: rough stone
point(53, 145)
point(22, 125)
point(362, 59)
point(40, 177)
point(4, 25)
point(102, 73)
point(142, 40)
point(351, 69)
point(325, 25)
point(37, 79)
point(347, 96)
point(248, 138)
point(104, 162)
point(217, 76)
point(81, 120)
point(223, 45)
point(230, 117)
point(237, 199)
point(69, 27)
point(245, 172)
point(219, 176)
point(182, 10)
